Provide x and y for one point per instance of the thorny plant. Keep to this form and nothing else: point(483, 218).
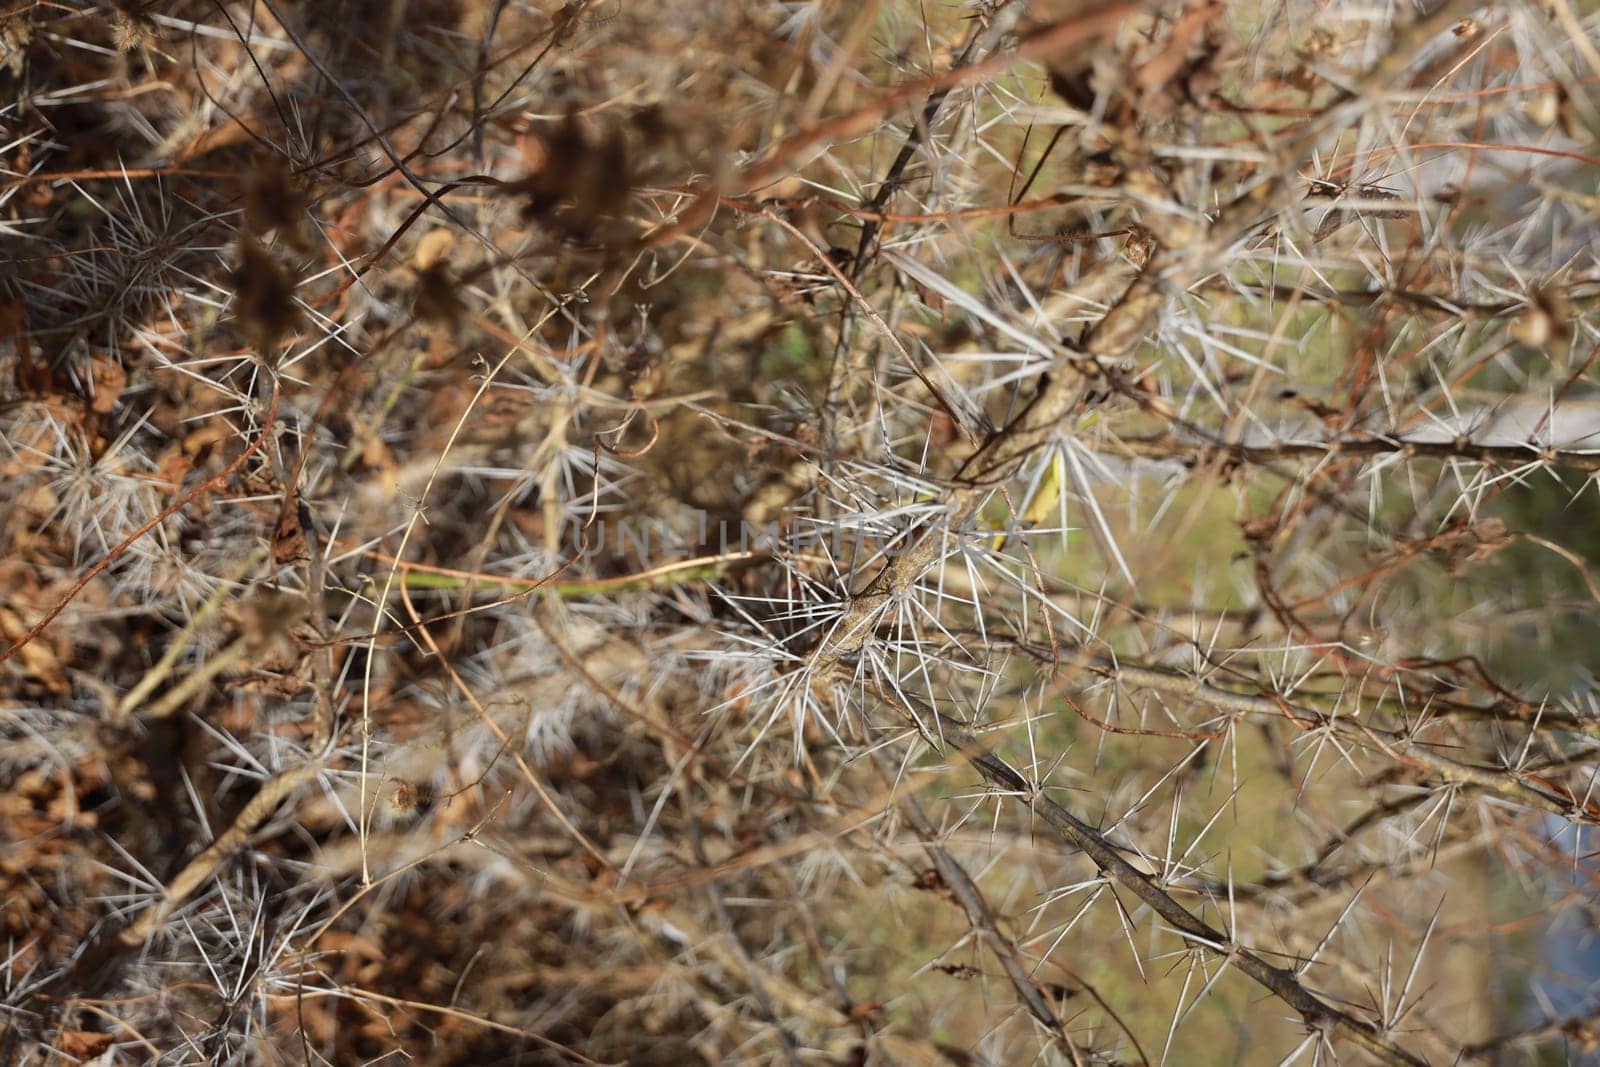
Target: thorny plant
point(1255, 341)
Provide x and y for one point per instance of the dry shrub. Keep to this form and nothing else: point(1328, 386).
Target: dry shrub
point(797, 532)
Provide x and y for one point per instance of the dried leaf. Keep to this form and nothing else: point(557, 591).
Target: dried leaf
point(37, 659)
point(108, 379)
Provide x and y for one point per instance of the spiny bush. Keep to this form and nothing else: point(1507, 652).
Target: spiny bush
point(941, 532)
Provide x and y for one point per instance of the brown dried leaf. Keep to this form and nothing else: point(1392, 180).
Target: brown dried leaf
point(288, 534)
point(83, 1044)
point(108, 380)
point(37, 658)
